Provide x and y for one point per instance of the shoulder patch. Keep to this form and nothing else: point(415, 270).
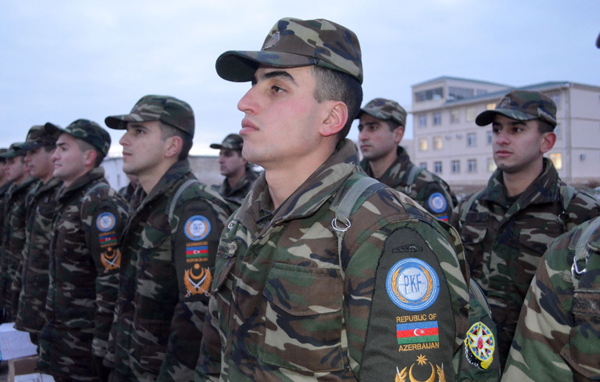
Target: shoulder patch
point(412, 284)
point(479, 345)
point(437, 202)
point(197, 280)
point(197, 227)
point(106, 221)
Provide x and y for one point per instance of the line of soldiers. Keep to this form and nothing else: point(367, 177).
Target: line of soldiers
point(322, 272)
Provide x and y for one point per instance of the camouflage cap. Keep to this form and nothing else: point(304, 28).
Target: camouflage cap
point(231, 142)
point(385, 109)
point(38, 136)
point(2, 151)
point(14, 150)
point(293, 43)
point(170, 110)
point(522, 105)
point(87, 131)
point(598, 42)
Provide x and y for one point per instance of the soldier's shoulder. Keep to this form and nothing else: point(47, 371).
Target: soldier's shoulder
point(192, 191)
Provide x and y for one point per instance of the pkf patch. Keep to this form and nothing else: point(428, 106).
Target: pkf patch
point(197, 227)
point(105, 221)
point(111, 259)
point(412, 284)
point(197, 280)
point(480, 345)
point(437, 202)
point(422, 368)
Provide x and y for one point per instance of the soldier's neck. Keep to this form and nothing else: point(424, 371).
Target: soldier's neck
point(381, 165)
point(151, 176)
point(516, 183)
point(234, 179)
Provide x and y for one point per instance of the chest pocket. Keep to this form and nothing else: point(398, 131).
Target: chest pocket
point(472, 235)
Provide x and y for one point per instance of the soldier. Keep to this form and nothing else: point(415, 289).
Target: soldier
point(169, 246)
point(382, 124)
point(239, 177)
point(324, 273)
point(39, 146)
point(506, 227)
point(84, 257)
point(128, 191)
point(13, 238)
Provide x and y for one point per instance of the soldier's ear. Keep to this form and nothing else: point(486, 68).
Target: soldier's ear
point(398, 134)
point(548, 141)
point(89, 157)
point(336, 118)
point(173, 146)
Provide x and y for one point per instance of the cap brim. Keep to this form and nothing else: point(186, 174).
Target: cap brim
point(240, 66)
point(119, 122)
point(32, 145)
point(488, 116)
point(51, 128)
point(216, 146)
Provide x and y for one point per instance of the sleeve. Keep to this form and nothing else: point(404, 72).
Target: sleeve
point(582, 208)
point(437, 201)
point(195, 244)
point(209, 361)
point(103, 226)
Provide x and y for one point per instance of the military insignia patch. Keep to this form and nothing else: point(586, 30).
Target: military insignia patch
point(480, 345)
point(421, 370)
point(273, 41)
point(437, 202)
point(417, 332)
point(412, 284)
point(197, 227)
point(108, 240)
point(111, 259)
point(196, 252)
point(105, 221)
point(197, 280)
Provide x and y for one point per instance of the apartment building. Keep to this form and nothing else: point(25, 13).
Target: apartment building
point(449, 143)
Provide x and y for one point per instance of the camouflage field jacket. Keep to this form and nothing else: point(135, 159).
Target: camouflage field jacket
point(288, 304)
point(164, 288)
point(427, 189)
point(504, 243)
point(36, 255)
point(557, 338)
point(84, 269)
point(235, 195)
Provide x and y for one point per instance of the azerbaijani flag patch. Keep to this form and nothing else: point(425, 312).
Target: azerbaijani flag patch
point(195, 251)
point(107, 240)
point(418, 332)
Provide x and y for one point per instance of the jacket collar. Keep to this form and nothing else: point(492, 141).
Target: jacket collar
point(395, 174)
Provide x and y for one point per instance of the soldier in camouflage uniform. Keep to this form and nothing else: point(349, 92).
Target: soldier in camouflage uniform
point(39, 146)
point(382, 124)
point(506, 227)
point(239, 177)
point(84, 257)
point(317, 278)
point(169, 246)
point(13, 238)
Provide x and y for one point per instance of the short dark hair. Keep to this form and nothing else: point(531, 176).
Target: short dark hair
point(337, 86)
point(393, 125)
point(168, 131)
point(544, 127)
point(49, 148)
point(85, 146)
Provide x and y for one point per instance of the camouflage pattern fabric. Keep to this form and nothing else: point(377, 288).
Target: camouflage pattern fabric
point(164, 289)
point(504, 242)
point(235, 195)
point(231, 142)
point(429, 190)
point(86, 130)
point(385, 109)
point(13, 241)
point(287, 304)
point(84, 269)
point(127, 192)
point(557, 335)
point(31, 312)
point(521, 105)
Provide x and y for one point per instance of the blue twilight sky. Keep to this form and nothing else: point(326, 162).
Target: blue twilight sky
point(62, 60)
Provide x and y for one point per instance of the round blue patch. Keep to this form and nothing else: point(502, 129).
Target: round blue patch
point(412, 284)
point(197, 227)
point(437, 202)
point(106, 221)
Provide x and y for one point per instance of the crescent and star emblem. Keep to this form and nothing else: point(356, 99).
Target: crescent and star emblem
point(197, 284)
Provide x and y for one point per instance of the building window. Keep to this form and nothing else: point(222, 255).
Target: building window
point(455, 93)
point(423, 165)
point(437, 167)
point(556, 98)
point(557, 160)
point(437, 119)
point(490, 106)
point(422, 120)
point(481, 92)
point(491, 165)
point(422, 144)
point(472, 165)
point(472, 139)
point(428, 95)
point(490, 135)
point(454, 116)
point(455, 166)
point(558, 132)
point(471, 113)
point(438, 143)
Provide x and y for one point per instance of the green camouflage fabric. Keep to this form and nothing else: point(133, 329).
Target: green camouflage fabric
point(164, 289)
point(385, 109)
point(521, 105)
point(84, 270)
point(13, 241)
point(504, 242)
point(86, 130)
point(429, 190)
point(288, 304)
point(127, 193)
point(38, 136)
point(292, 43)
point(31, 312)
point(236, 194)
point(14, 150)
point(231, 142)
point(167, 109)
point(557, 336)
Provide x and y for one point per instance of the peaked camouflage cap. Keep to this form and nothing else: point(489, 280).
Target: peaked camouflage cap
point(14, 150)
point(87, 131)
point(522, 105)
point(385, 109)
point(38, 136)
point(598, 42)
point(292, 43)
point(170, 110)
point(231, 142)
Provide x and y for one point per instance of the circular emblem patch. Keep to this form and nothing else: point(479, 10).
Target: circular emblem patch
point(480, 345)
point(437, 202)
point(412, 284)
point(105, 221)
point(197, 227)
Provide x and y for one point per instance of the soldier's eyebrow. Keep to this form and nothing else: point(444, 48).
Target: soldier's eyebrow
point(62, 144)
point(277, 74)
point(135, 125)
